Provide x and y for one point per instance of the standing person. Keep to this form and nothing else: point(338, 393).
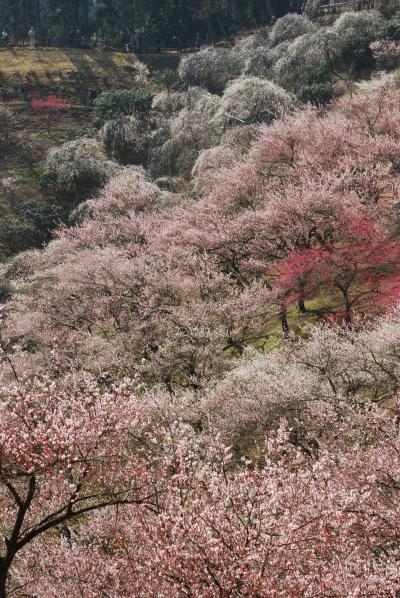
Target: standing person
point(4, 37)
point(71, 38)
point(136, 43)
point(32, 37)
point(78, 38)
point(198, 41)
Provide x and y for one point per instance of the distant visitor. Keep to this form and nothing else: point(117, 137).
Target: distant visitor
point(32, 37)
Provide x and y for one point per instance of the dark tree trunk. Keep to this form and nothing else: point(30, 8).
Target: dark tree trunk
point(5, 564)
point(302, 307)
point(38, 18)
point(347, 308)
point(283, 320)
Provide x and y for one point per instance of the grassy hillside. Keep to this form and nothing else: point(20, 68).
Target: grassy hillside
point(67, 72)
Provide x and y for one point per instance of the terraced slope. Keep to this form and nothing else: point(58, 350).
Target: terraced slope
point(66, 72)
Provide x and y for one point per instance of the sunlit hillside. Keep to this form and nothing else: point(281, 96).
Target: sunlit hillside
point(64, 71)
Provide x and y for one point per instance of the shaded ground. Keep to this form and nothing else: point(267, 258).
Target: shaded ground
point(32, 131)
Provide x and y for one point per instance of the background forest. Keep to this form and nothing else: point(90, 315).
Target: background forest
point(161, 20)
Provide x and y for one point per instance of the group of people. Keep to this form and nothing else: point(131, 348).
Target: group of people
point(135, 43)
point(31, 38)
point(75, 38)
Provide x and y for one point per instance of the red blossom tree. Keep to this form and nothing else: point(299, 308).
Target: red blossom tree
point(50, 105)
point(361, 266)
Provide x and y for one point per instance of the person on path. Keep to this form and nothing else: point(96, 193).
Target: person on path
point(4, 37)
point(136, 43)
point(78, 38)
point(72, 38)
point(32, 37)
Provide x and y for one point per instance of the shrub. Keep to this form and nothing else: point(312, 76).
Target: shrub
point(318, 94)
point(304, 56)
point(7, 119)
point(240, 137)
point(130, 138)
point(195, 98)
point(9, 187)
point(245, 48)
point(7, 128)
point(289, 27)
point(77, 169)
point(389, 8)
point(17, 234)
point(251, 99)
point(31, 226)
point(351, 27)
point(391, 29)
point(171, 103)
point(261, 61)
point(356, 52)
point(209, 68)
point(171, 184)
point(112, 104)
point(43, 216)
point(318, 89)
point(165, 77)
point(192, 129)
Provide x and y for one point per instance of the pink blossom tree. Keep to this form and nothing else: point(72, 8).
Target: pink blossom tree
point(66, 449)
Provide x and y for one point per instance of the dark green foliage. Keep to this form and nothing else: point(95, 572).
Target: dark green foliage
point(115, 103)
point(167, 77)
point(391, 29)
point(161, 22)
point(390, 8)
point(318, 94)
point(16, 235)
point(318, 88)
point(82, 132)
point(357, 52)
point(43, 216)
point(31, 226)
point(5, 291)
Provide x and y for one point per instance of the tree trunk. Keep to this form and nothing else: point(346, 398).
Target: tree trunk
point(210, 28)
point(3, 579)
point(283, 320)
point(38, 19)
point(5, 564)
point(269, 7)
point(347, 308)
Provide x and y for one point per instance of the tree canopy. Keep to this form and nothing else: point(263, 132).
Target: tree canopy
point(163, 20)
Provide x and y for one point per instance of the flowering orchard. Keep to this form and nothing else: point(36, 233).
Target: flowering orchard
point(200, 390)
point(173, 288)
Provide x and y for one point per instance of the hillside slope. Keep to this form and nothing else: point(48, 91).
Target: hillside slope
point(67, 72)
